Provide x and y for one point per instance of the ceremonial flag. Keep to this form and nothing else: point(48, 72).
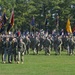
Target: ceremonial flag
point(68, 27)
point(11, 22)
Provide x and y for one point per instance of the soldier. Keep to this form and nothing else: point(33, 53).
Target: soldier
point(33, 43)
point(60, 44)
point(57, 45)
point(51, 39)
point(37, 44)
point(14, 48)
point(1, 50)
point(41, 42)
point(27, 42)
point(63, 46)
point(10, 53)
point(6, 47)
point(70, 45)
point(73, 44)
point(21, 51)
point(46, 45)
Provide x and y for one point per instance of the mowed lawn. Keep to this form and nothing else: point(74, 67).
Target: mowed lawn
point(41, 65)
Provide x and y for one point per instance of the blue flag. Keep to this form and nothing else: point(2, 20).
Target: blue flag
point(4, 19)
point(33, 21)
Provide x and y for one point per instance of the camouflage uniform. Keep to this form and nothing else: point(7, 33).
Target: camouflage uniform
point(14, 48)
point(37, 44)
point(41, 42)
point(57, 45)
point(1, 49)
point(10, 51)
point(33, 44)
point(27, 42)
point(46, 45)
point(6, 48)
point(70, 45)
point(21, 51)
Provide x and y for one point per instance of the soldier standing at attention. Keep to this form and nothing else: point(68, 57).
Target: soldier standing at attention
point(1, 50)
point(10, 50)
point(3, 47)
point(27, 42)
point(70, 44)
point(6, 47)
point(21, 51)
point(14, 48)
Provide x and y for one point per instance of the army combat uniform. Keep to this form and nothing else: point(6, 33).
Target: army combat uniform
point(46, 45)
point(27, 42)
point(14, 48)
point(21, 51)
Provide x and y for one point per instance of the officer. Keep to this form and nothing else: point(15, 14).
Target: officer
point(21, 51)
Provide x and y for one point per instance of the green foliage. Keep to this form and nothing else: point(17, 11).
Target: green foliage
point(25, 9)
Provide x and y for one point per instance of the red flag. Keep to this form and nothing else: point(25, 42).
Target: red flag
point(12, 18)
point(11, 23)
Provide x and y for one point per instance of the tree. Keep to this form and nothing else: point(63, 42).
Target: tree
point(25, 9)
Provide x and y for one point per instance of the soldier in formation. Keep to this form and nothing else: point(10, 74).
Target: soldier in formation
point(21, 51)
point(15, 46)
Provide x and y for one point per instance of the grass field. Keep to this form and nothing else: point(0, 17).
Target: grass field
point(41, 65)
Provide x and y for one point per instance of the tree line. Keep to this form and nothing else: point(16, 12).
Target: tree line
point(24, 11)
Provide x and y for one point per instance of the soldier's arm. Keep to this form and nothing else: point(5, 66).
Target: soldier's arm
point(73, 40)
point(24, 46)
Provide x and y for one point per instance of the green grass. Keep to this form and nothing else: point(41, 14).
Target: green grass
point(41, 65)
